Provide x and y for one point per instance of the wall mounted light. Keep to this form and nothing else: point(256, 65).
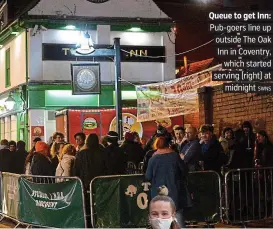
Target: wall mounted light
point(85, 45)
point(135, 29)
point(10, 102)
point(15, 33)
point(71, 27)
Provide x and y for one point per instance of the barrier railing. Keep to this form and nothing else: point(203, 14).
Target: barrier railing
point(248, 194)
point(206, 194)
point(122, 201)
point(44, 201)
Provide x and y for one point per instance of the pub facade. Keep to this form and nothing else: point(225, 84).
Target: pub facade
point(39, 49)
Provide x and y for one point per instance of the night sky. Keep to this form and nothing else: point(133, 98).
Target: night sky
point(192, 24)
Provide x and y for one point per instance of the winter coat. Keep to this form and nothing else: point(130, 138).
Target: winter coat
point(115, 160)
point(19, 158)
point(6, 160)
point(168, 169)
point(192, 151)
point(66, 167)
point(41, 165)
point(213, 156)
point(89, 164)
point(133, 152)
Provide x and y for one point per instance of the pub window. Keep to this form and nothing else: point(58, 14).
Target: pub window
point(7, 67)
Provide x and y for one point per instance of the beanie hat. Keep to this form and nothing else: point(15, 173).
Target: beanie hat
point(129, 136)
point(42, 147)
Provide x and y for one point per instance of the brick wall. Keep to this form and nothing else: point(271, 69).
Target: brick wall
point(192, 119)
point(231, 109)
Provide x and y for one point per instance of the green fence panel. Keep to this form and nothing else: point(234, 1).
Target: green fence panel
point(58, 205)
point(120, 201)
point(10, 195)
point(205, 192)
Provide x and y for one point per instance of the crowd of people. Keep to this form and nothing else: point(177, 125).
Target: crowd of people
point(165, 159)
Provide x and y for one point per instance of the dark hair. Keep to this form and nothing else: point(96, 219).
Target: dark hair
point(92, 141)
point(81, 135)
point(265, 135)
point(247, 124)
point(56, 134)
point(227, 129)
point(21, 146)
point(12, 143)
point(180, 128)
point(164, 199)
point(4, 142)
point(37, 139)
point(206, 128)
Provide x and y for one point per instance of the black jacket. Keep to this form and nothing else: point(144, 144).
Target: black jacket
point(41, 165)
point(214, 157)
point(89, 164)
point(19, 159)
point(133, 152)
point(6, 158)
point(115, 160)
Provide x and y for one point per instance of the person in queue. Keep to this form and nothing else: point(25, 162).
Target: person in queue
point(115, 156)
point(162, 213)
point(58, 137)
point(41, 163)
point(80, 140)
point(191, 152)
point(248, 143)
point(20, 157)
point(12, 146)
point(90, 162)
point(212, 152)
point(55, 152)
point(263, 155)
point(180, 138)
point(165, 168)
point(66, 166)
point(5, 157)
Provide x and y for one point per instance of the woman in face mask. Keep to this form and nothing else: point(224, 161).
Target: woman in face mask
point(162, 213)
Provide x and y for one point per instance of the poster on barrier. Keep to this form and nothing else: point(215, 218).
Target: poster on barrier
point(10, 195)
point(120, 201)
point(205, 192)
point(58, 205)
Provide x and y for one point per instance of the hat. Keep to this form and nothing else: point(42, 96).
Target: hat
point(161, 130)
point(129, 136)
point(41, 147)
point(112, 136)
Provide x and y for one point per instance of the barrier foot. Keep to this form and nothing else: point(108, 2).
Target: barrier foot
point(1, 217)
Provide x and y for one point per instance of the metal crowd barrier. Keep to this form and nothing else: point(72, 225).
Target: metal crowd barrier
point(42, 201)
point(248, 194)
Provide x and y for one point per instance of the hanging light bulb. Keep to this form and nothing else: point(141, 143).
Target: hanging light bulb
point(85, 45)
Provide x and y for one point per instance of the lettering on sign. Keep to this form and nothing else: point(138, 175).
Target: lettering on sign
point(142, 198)
point(138, 52)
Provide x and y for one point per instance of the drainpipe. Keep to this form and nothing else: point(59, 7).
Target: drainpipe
point(26, 132)
point(186, 64)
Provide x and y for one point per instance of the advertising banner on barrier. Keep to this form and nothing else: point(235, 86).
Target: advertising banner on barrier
point(174, 97)
point(10, 195)
point(56, 205)
point(120, 201)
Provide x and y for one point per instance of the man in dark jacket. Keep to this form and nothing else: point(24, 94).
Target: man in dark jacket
point(5, 157)
point(212, 152)
point(191, 152)
point(115, 156)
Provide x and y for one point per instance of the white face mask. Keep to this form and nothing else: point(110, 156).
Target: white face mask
point(161, 223)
